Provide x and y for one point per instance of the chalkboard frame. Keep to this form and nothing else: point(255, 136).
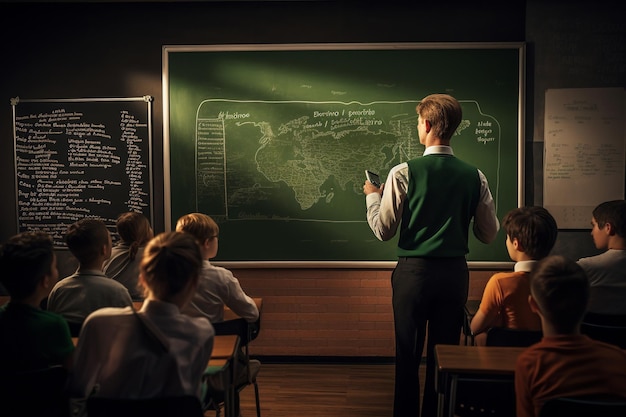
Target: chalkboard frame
point(519, 47)
point(15, 101)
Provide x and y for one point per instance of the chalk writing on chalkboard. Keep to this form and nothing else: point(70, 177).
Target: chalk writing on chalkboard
point(81, 158)
point(278, 160)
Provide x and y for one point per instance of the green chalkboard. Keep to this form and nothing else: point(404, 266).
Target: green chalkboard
point(272, 140)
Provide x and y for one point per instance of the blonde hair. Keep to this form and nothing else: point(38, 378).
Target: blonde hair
point(199, 225)
point(443, 112)
point(169, 262)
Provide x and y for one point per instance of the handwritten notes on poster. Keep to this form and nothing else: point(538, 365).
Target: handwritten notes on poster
point(585, 142)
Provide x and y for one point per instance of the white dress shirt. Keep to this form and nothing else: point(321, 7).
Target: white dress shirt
point(162, 352)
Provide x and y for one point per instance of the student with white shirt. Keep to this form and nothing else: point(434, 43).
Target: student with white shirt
point(607, 271)
point(157, 351)
point(88, 289)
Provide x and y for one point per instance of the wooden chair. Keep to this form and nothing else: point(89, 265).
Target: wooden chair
point(36, 393)
point(502, 336)
point(174, 406)
point(584, 406)
point(607, 328)
point(247, 332)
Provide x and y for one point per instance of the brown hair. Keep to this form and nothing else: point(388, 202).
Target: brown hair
point(85, 239)
point(134, 230)
point(24, 260)
point(534, 228)
point(169, 262)
point(614, 213)
point(561, 289)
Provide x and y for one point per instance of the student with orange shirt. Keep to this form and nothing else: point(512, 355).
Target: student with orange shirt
point(530, 235)
point(565, 362)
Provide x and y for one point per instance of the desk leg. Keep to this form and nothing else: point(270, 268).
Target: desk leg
point(441, 400)
point(441, 382)
point(229, 392)
point(452, 399)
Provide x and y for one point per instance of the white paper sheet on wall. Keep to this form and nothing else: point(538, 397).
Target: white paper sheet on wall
point(584, 152)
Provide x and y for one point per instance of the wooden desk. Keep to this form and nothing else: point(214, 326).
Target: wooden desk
point(454, 361)
point(225, 346)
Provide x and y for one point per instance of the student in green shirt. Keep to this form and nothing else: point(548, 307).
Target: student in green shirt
point(32, 338)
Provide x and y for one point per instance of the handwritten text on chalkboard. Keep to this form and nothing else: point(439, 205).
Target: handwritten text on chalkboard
point(77, 160)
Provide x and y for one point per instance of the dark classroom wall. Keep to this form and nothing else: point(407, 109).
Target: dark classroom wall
point(114, 49)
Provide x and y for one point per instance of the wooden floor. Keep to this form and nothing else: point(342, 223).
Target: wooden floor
point(316, 390)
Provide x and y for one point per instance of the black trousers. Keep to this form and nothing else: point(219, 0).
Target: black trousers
point(428, 296)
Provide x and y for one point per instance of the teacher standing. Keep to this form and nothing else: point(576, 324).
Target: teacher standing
point(432, 200)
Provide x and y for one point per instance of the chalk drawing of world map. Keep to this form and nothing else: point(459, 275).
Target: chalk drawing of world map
point(306, 160)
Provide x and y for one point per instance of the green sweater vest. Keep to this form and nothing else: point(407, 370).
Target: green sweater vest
point(441, 202)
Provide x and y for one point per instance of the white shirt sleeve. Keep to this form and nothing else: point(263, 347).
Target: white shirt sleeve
point(384, 214)
point(486, 224)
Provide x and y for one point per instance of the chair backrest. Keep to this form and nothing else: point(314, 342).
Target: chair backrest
point(247, 332)
point(502, 336)
point(35, 393)
point(175, 406)
point(584, 406)
point(607, 328)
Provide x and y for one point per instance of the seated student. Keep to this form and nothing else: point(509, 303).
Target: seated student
point(565, 362)
point(123, 266)
point(157, 351)
point(607, 271)
point(218, 286)
point(87, 290)
point(32, 338)
point(530, 236)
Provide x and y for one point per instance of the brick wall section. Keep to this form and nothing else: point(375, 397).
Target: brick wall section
point(328, 312)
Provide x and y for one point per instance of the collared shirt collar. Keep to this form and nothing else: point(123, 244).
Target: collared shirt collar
point(438, 149)
point(96, 272)
point(524, 266)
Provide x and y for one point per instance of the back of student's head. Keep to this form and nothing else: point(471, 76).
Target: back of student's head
point(169, 262)
point(24, 260)
point(86, 238)
point(561, 289)
point(199, 225)
point(534, 228)
point(443, 112)
point(614, 213)
point(134, 230)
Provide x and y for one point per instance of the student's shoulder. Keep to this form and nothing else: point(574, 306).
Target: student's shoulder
point(506, 276)
point(107, 312)
point(605, 259)
point(214, 271)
